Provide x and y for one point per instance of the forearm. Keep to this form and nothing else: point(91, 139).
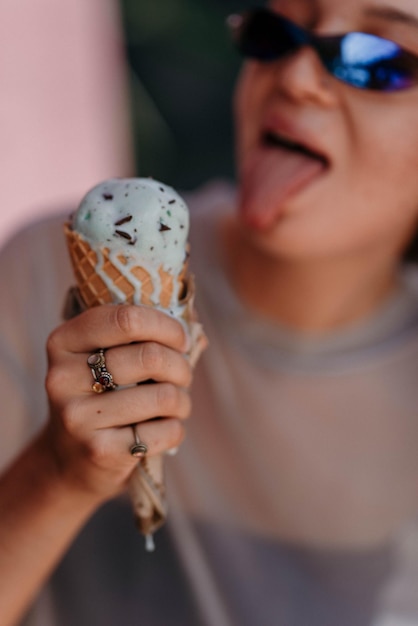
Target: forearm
point(39, 517)
point(83, 458)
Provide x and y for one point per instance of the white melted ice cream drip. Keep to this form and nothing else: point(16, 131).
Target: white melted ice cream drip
point(141, 220)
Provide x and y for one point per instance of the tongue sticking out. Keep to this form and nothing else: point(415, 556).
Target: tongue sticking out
point(271, 177)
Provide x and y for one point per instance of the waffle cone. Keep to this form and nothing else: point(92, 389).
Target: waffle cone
point(94, 290)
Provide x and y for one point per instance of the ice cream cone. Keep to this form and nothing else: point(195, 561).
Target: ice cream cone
point(111, 285)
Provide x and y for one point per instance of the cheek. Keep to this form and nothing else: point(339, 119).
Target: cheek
point(243, 108)
point(383, 176)
point(384, 147)
point(372, 192)
point(248, 104)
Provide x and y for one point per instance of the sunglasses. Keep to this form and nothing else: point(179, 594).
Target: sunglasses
point(359, 59)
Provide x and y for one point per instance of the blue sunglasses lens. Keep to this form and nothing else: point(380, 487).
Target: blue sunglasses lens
point(369, 62)
point(359, 59)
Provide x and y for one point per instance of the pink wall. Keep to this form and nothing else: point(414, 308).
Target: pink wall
point(63, 104)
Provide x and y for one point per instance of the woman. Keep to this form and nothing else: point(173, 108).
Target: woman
point(294, 495)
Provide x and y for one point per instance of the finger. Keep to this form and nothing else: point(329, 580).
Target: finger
point(113, 325)
point(109, 451)
point(160, 435)
point(128, 365)
point(148, 360)
point(124, 407)
point(112, 446)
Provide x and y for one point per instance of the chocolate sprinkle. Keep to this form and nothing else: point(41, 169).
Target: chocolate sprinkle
point(124, 220)
point(107, 196)
point(121, 233)
point(163, 227)
point(172, 202)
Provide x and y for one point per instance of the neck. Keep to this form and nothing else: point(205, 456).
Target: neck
point(313, 296)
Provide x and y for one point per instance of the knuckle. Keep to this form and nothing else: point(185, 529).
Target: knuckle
point(55, 382)
point(99, 451)
point(70, 416)
point(151, 357)
point(123, 318)
point(52, 344)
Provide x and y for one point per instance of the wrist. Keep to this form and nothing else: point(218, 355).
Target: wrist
point(57, 485)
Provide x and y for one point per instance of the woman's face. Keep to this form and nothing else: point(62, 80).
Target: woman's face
point(363, 195)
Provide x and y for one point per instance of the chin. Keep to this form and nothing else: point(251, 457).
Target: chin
point(293, 238)
point(273, 242)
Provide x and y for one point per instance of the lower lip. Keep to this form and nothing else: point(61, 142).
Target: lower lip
point(271, 178)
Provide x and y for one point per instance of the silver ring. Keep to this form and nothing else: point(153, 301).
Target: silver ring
point(139, 448)
point(103, 379)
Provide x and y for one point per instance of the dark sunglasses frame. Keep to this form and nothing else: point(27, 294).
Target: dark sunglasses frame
point(376, 63)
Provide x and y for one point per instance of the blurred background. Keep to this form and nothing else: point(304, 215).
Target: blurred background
point(107, 88)
point(182, 69)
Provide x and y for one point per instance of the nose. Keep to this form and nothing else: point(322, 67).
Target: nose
point(302, 77)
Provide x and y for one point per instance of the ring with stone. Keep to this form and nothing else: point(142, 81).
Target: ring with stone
point(103, 379)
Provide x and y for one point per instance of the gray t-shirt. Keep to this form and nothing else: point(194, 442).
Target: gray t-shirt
point(294, 499)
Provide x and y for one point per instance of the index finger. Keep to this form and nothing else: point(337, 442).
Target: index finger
point(111, 325)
